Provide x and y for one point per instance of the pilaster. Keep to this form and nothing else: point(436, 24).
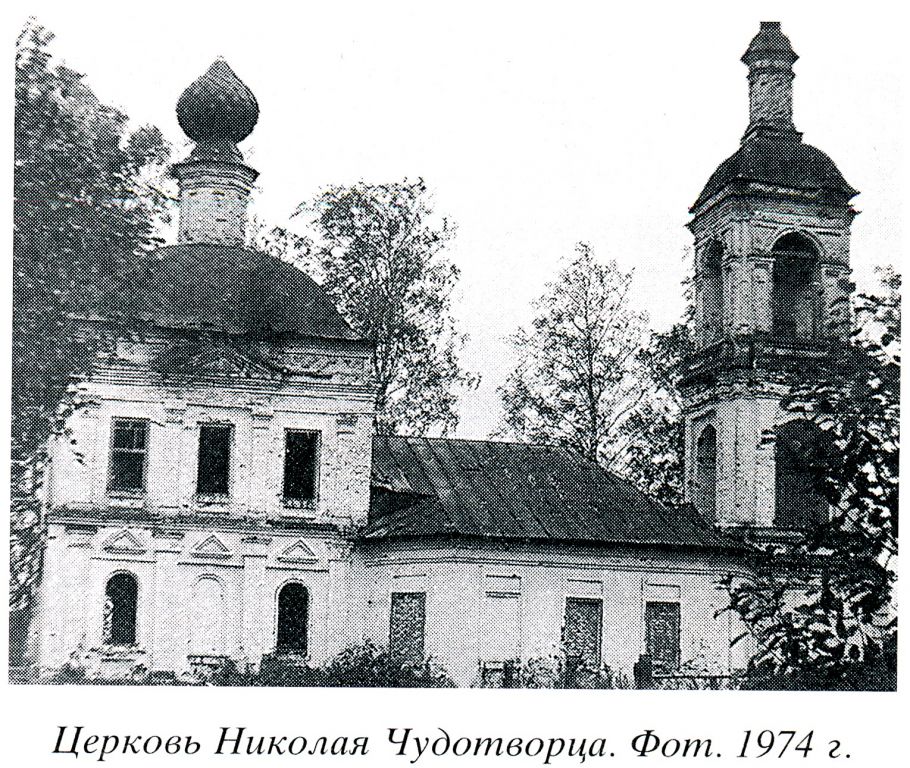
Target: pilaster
point(166, 648)
point(173, 487)
point(258, 607)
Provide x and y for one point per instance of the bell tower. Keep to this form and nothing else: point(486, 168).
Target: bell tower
point(772, 245)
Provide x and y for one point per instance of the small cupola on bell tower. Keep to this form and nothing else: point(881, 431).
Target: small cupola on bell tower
point(770, 59)
point(217, 112)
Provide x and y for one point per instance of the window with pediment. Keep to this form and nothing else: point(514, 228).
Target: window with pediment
point(120, 603)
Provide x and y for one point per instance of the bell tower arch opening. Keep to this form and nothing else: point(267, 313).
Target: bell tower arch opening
point(795, 299)
point(709, 292)
point(800, 458)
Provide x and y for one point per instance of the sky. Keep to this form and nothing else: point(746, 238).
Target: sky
point(536, 125)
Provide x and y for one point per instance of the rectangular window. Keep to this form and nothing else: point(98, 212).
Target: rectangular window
point(213, 473)
point(501, 622)
point(129, 455)
point(582, 634)
point(407, 624)
point(662, 628)
point(301, 467)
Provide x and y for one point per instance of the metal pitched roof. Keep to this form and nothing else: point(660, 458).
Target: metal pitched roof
point(446, 487)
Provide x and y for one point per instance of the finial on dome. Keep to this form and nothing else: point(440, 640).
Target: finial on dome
point(218, 111)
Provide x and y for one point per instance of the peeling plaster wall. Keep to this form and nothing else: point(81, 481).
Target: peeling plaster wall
point(244, 549)
point(259, 409)
point(167, 561)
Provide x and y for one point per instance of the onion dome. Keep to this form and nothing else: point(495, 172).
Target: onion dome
point(217, 111)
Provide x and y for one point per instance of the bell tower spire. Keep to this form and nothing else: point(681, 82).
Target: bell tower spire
point(217, 112)
point(770, 59)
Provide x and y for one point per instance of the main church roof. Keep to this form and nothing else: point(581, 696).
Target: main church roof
point(431, 487)
point(222, 288)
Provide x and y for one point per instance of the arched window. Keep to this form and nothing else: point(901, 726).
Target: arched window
point(706, 473)
point(795, 292)
point(292, 619)
point(711, 290)
point(208, 627)
point(120, 609)
point(800, 457)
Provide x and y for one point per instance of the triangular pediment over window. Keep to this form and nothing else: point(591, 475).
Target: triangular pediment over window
point(211, 546)
point(298, 552)
point(124, 542)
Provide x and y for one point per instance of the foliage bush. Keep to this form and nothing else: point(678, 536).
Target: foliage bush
point(821, 609)
point(367, 666)
point(556, 671)
point(358, 666)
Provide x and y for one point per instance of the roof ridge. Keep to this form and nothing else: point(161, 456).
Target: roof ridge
point(486, 441)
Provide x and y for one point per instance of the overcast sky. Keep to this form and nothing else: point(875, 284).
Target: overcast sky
point(535, 125)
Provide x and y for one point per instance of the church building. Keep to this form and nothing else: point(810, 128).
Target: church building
point(220, 493)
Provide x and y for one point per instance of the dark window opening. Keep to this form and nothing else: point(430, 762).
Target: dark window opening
point(662, 627)
point(213, 474)
point(129, 452)
point(582, 633)
point(711, 287)
point(301, 466)
point(706, 473)
point(120, 610)
point(407, 625)
point(801, 455)
point(292, 619)
point(795, 288)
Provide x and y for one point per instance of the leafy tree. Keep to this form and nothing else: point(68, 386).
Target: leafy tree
point(653, 437)
point(86, 208)
point(577, 381)
point(821, 609)
point(279, 242)
point(378, 254)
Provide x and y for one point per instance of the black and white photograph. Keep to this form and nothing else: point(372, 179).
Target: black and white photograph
point(503, 346)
